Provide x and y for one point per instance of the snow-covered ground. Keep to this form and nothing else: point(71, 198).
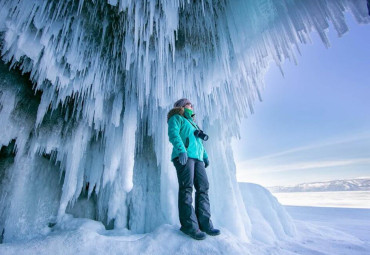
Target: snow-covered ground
point(325, 230)
point(319, 231)
point(275, 229)
point(352, 221)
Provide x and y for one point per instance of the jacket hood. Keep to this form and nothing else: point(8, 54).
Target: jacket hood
point(176, 110)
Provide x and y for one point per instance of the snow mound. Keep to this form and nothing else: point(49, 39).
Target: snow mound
point(318, 232)
point(270, 221)
point(85, 236)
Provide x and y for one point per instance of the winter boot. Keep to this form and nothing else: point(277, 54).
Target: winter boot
point(196, 234)
point(213, 232)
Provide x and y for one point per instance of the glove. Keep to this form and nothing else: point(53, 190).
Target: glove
point(206, 162)
point(183, 157)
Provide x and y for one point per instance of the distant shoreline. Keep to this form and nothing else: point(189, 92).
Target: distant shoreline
point(314, 191)
point(359, 184)
point(339, 199)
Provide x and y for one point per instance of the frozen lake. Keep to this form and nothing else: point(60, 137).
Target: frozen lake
point(349, 228)
point(347, 199)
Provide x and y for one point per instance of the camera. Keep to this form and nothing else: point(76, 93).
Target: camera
point(199, 133)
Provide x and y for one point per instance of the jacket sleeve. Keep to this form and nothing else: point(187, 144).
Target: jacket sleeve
point(205, 155)
point(174, 124)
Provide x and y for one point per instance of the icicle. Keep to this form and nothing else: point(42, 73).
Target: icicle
point(108, 71)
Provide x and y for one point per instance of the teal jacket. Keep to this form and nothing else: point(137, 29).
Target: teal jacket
point(181, 135)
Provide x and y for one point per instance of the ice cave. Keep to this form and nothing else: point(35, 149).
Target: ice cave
point(84, 92)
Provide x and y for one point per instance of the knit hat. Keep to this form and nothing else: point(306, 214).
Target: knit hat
point(182, 102)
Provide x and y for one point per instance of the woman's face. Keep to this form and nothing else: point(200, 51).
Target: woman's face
point(189, 106)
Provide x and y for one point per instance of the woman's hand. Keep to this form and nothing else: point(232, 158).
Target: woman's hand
point(183, 158)
point(206, 162)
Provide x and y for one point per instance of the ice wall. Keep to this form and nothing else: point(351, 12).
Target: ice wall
point(91, 138)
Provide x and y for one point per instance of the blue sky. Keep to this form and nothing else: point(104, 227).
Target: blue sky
point(314, 124)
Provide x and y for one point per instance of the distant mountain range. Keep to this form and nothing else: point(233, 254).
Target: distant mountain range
point(360, 184)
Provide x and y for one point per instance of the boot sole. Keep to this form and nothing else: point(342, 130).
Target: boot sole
point(214, 234)
point(198, 238)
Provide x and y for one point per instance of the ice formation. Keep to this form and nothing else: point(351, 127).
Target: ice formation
point(90, 138)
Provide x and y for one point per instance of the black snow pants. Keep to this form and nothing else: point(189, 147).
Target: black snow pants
point(193, 173)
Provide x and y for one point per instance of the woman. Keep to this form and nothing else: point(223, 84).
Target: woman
point(190, 160)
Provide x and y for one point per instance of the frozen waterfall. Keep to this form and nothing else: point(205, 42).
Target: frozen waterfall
point(86, 86)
